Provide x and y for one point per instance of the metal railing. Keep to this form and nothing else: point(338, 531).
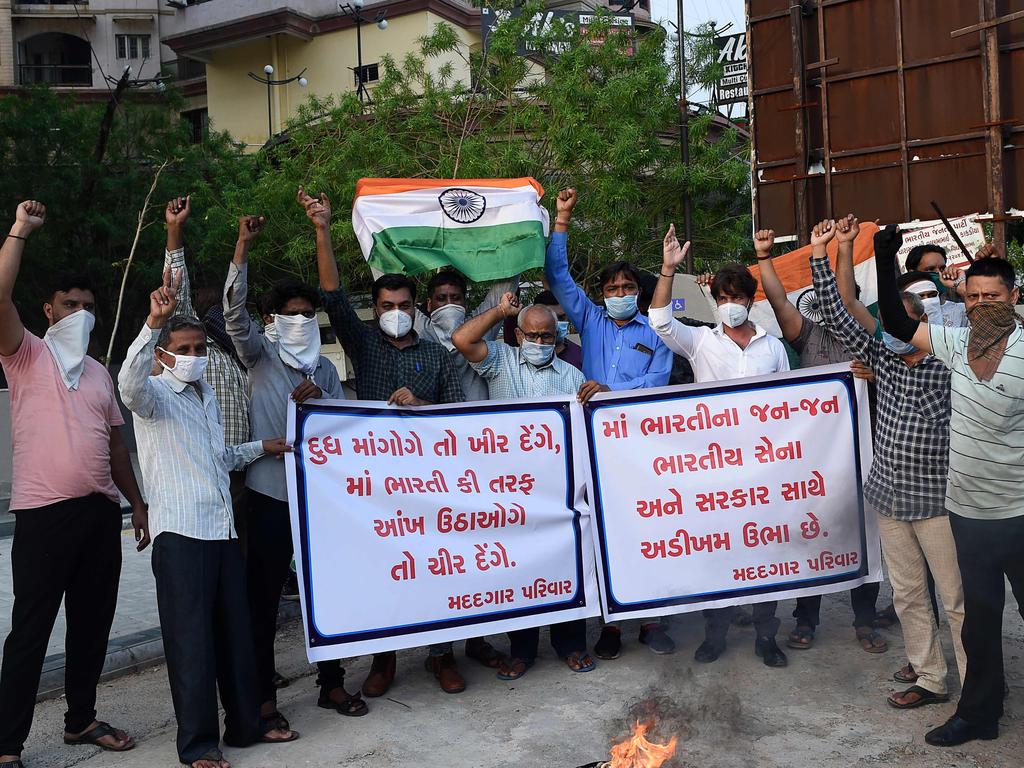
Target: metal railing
point(69, 75)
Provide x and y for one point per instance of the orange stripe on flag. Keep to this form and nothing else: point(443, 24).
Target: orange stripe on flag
point(794, 268)
point(393, 186)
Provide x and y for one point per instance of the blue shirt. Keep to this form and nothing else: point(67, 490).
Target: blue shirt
point(630, 357)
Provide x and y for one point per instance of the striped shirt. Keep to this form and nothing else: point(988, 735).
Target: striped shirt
point(907, 480)
point(228, 379)
point(986, 448)
point(184, 461)
point(510, 377)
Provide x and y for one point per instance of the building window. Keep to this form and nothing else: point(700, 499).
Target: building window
point(132, 46)
point(199, 122)
point(371, 73)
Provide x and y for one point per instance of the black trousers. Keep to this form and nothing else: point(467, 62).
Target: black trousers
point(987, 550)
point(70, 550)
point(718, 620)
point(863, 600)
point(267, 563)
point(204, 618)
point(567, 637)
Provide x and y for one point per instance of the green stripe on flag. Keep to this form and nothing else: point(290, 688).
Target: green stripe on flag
point(480, 253)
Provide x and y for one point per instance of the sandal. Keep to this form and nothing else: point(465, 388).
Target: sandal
point(292, 736)
point(512, 669)
point(801, 638)
point(92, 738)
point(580, 661)
point(276, 721)
point(351, 706)
point(886, 618)
point(213, 756)
point(924, 697)
point(871, 641)
point(485, 653)
point(906, 675)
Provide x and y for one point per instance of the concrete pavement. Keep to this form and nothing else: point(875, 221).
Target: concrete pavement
point(826, 710)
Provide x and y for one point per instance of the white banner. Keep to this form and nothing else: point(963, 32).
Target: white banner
point(935, 233)
point(739, 492)
point(418, 526)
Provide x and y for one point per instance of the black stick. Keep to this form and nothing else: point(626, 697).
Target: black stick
point(952, 231)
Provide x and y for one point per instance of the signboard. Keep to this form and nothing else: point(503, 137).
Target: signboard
point(732, 55)
point(969, 230)
point(541, 29)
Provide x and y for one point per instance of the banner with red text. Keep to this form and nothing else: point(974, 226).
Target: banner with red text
point(418, 526)
point(749, 490)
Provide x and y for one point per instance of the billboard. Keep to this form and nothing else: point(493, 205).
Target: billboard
point(732, 55)
point(542, 26)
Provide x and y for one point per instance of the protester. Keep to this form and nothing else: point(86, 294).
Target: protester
point(530, 371)
point(620, 351)
point(734, 349)
point(69, 462)
point(816, 346)
point(290, 368)
point(565, 349)
point(197, 560)
point(932, 293)
point(986, 467)
point(906, 486)
point(393, 364)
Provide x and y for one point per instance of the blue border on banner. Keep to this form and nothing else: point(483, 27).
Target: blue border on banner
point(715, 390)
point(316, 638)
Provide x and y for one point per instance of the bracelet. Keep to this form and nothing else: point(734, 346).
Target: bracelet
point(664, 275)
point(763, 258)
point(19, 237)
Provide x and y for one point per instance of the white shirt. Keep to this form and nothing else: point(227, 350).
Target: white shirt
point(184, 460)
point(713, 355)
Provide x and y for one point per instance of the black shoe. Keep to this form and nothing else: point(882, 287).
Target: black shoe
point(609, 644)
point(656, 638)
point(956, 731)
point(770, 653)
point(709, 651)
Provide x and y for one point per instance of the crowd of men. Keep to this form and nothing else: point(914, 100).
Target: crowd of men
point(209, 388)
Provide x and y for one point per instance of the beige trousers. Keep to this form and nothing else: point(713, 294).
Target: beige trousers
point(910, 549)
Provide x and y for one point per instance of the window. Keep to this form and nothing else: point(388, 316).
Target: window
point(132, 46)
point(199, 124)
point(371, 72)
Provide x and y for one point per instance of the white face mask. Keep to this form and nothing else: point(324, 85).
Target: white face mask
point(187, 368)
point(733, 315)
point(537, 354)
point(933, 308)
point(445, 320)
point(298, 341)
point(68, 341)
point(270, 331)
point(395, 323)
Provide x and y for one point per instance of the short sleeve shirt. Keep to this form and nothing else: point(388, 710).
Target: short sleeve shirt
point(61, 437)
point(816, 346)
point(986, 443)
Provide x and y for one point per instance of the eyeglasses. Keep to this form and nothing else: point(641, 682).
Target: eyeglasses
point(539, 338)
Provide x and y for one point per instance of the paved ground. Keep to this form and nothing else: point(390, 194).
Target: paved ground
point(826, 710)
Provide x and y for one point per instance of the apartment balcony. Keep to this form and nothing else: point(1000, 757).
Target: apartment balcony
point(57, 59)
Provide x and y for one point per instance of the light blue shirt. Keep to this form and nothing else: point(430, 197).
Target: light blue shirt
point(510, 377)
point(630, 357)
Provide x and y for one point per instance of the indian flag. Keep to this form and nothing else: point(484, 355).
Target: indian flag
point(488, 229)
point(794, 270)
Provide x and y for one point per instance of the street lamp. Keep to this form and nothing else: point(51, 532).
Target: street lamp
point(269, 81)
point(353, 10)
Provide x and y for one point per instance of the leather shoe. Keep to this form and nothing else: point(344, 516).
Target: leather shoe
point(956, 731)
point(382, 675)
point(770, 653)
point(709, 651)
point(446, 672)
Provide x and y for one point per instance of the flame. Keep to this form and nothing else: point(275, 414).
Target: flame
point(638, 752)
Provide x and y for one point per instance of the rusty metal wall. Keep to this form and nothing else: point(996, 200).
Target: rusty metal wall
point(895, 111)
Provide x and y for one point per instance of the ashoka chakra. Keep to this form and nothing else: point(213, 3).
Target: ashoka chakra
point(462, 205)
point(809, 305)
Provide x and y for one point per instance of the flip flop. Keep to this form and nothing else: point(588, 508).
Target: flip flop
point(92, 738)
point(507, 668)
point(801, 638)
point(905, 674)
point(925, 697)
point(578, 657)
point(292, 736)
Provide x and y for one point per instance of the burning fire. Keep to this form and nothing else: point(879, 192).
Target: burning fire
point(638, 752)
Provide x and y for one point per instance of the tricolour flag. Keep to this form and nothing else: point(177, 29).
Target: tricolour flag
point(794, 270)
point(486, 228)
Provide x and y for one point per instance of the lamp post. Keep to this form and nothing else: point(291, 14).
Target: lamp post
point(684, 134)
point(270, 83)
point(354, 11)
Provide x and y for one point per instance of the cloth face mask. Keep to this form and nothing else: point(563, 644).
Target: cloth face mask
point(68, 341)
point(298, 341)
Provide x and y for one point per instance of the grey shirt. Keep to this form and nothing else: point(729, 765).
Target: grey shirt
point(473, 386)
point(272, 383)
point(816, 346)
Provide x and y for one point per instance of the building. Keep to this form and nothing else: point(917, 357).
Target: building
point(316, 37)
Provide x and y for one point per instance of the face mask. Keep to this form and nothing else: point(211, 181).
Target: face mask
point(537, 354)
point(395, 323)
point(937, 279)
point(933, 308)
point(620, 307)
point(68, 341)
point(897, 346)
point(563, 329)
point(186, 368)
point(270, 331)
point(445, 320)
point(298, 341)
point(733, 315)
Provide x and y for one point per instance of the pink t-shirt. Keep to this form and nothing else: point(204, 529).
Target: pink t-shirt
point(61, 438)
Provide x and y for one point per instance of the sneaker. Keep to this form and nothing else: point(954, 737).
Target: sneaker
point(609, 645)
point(656, 638)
